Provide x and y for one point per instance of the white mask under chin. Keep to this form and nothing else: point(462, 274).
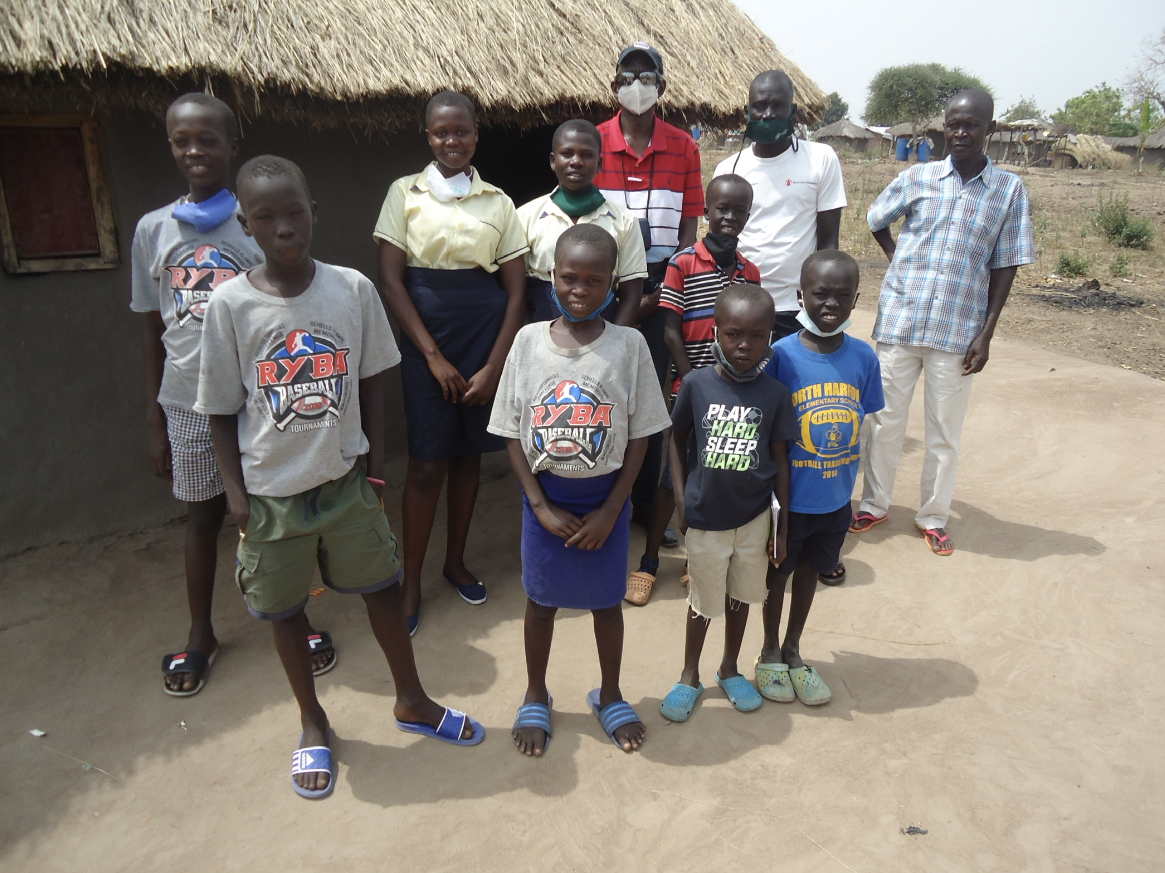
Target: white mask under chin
point(449, 189)
point(809, 325)
point(638, 97)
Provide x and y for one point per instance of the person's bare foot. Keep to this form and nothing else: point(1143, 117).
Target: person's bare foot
point(428, 711)
point(202, 641)
point(629, 736)
point(531, 740)
point(313, 735)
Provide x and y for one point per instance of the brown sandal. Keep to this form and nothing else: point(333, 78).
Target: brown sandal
point(639, 585)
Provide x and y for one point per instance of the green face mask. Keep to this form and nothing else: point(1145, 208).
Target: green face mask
point(769, 131)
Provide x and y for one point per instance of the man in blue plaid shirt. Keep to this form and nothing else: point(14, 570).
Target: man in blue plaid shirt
point(967, 229)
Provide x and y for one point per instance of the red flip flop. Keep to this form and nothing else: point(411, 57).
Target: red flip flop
point(938, 541)
point(863, 521)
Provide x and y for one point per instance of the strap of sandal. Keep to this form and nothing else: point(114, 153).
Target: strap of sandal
point(535, 715)
point(319, 641)
point(313, 759)
point(616, 715)
point(185, 662)
point(447, 729)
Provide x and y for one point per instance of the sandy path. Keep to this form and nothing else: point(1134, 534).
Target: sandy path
point(1008, 699)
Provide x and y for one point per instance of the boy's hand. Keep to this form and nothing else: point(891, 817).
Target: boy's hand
point(596, 527)
point(240, 511)
point(482, 386)
point(453, 384)
point(557, 520)
point(778, 551)
point(158, 449)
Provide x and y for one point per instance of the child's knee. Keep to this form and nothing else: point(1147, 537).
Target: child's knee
point(204, 518)
point(538, 612)
point(609, 614)
point(427, 475)
point(389, 597)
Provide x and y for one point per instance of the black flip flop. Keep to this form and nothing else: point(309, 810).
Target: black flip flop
point(186, 662)
point(319, 641)
point(834, 578)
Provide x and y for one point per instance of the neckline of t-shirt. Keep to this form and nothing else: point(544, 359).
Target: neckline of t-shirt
point(284, 301)
point(573, 353)
point(796, 341)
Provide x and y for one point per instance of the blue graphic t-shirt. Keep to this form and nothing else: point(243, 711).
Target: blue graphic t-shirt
point(831, 395)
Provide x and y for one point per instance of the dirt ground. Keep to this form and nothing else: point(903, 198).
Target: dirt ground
point(1008, 700)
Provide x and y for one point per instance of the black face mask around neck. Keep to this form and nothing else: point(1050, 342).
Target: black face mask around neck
point(722, 248)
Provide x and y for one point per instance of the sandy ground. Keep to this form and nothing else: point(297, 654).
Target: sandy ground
point(1008, 699)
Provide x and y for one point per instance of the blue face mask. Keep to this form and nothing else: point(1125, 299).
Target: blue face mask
point(208, 214)
point(595, 314)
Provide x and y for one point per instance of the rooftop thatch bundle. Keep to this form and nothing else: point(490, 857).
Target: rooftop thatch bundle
point(1153, 141)
point(844, 129)
point(373, 63)
point(906, 128)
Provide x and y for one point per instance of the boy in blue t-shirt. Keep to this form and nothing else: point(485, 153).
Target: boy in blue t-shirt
point(835, 381)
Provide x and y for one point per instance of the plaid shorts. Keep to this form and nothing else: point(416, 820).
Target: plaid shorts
point(196, 475)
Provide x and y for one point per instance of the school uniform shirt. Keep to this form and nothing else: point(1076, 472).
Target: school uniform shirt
point(480, 229)
point(731, 472)
point(831, 394)
point(787, 193)
point(690, 287)
point(574, 410)
point(174, 271)
point(663, 185)
point(543, 222)
point(290, 369)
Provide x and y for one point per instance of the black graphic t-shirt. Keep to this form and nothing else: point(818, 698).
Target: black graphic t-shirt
point(731, 473)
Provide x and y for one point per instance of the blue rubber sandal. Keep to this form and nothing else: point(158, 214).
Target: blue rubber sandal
point(473, 594)
point(740, 693)
point(314, 759)
point(449, 731)
point(536, 715)
point(414, 620)
point(612, 716)
point(680, 701)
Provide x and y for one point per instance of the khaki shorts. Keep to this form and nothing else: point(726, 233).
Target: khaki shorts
point(339, 527)
point(732, 562)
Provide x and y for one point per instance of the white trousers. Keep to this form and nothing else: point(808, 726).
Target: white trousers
point(947, 392)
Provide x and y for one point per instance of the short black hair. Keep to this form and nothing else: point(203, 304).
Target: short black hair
point(577, 125)
point(449, 98)
point(777, 78)
point(823, 256)
point(730, 179)
point(229, 122)
point(267, 167)
point(976, 97)
point(589, 236)
point(743, 292)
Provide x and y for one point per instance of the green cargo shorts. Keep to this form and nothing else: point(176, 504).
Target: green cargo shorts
point(339, 527)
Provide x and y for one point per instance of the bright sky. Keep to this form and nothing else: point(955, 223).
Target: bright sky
point(1049, 51)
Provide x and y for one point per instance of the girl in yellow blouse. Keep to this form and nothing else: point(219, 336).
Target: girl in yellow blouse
point(452, 273)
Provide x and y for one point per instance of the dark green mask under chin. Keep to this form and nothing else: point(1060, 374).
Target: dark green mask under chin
point(769, 131)
point(578, 203)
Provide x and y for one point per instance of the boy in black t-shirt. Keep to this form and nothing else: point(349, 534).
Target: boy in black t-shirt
point(739, 474)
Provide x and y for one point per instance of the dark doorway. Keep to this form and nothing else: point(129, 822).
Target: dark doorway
point(516, 161)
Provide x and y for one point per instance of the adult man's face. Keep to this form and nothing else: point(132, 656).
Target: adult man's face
point(770, 98)
point(966, 127)
point(634, 64)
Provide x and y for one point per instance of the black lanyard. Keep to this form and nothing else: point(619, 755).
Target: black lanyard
point(650, 182)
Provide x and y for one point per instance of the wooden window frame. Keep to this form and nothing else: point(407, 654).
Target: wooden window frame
point(108, 256)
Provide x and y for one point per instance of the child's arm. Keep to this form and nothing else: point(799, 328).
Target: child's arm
point(483, 384)
point(372, 423)
point(630, 293)
point(554, 518)
point(673, 325)
point(224, 433)
point(780, 453)
point(596, 525)
point(678, 459)
point(154, 357)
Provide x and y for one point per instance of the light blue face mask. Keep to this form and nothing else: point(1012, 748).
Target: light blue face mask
point(595, 314)
point(806, 322)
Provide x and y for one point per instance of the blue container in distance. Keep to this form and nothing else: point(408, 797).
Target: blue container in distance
point(923, 150)
point(902, 148)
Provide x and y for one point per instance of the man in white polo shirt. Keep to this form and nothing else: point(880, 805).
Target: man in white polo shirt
point(798, 194)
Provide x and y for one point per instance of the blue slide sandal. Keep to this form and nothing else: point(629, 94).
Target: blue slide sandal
point(314, 759)
point(612, 716)
point(449, 731)
point(536, 715)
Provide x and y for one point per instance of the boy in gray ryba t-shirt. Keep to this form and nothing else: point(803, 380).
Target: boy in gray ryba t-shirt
point(290, 377)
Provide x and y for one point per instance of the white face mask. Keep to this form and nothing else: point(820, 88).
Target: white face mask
point(637, 97)
point(809, 325)
point(449, 189)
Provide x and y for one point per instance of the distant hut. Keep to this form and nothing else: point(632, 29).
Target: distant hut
point(932, 129)
point(846, 134)
point(1154, 154)
point(337, 87)
point(1027, 142)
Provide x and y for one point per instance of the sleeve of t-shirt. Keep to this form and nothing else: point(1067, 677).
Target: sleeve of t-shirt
point(681, 412)
point(632, 256)
point(693, 183)
point(672, 290)
point(1015, 245)
point(513, 241)
point(784, 416)
point(220, 378)
point(391, 226)
point(647, 413)
point(889, 206)
point(873, 400)
point(378, 350)
point(144, 283)
point(751, 272)
point(506, 417)
point(831, 186)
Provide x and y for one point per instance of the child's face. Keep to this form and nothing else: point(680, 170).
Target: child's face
point(582, 278)
point(829, 293)
point(743, 331)
point(452, 136)
point(200, 144)
point(279, 215)
point(575, 160)
point(727, 209)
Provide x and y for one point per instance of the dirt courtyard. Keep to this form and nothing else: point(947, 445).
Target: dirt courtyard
point(1008, 700)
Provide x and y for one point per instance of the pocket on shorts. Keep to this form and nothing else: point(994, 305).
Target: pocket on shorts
point(246, 562)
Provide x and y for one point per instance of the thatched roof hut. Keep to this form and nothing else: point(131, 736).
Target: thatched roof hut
point(845, 133)
point(372, 63)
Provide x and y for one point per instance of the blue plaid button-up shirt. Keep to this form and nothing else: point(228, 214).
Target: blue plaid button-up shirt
point(954, 235)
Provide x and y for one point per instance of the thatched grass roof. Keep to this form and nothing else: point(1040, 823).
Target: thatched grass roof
point(844, 129)
point(373, 63)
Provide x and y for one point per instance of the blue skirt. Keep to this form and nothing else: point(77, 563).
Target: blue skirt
point(463, 311)
point(572, 578)
point(540, 304)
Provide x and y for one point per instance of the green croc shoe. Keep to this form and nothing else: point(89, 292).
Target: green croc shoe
point(772, 681)
point(808, 685)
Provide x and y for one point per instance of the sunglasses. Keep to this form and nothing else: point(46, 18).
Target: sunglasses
point(648, 77)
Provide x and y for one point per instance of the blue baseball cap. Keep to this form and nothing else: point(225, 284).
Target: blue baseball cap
point(644, 48)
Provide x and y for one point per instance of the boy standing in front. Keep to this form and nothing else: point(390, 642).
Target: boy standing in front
point(290, 378)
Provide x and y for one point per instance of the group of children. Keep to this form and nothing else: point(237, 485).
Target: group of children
point(264, 397)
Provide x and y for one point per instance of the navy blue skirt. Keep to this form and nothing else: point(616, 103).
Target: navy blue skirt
point(573, 578)
point(463, 311)
point(540, 304)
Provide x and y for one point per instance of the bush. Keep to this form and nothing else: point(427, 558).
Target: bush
point(1072, 266)
point(1113, 220)
point(1138, 234)
point(1120, 266)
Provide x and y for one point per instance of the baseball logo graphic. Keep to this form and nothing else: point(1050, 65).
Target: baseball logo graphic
point(304, 379)
point(569, 426)
point(193, 281)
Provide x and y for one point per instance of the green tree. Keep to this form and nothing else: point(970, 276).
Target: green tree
point(1098, 111)
point(1023, 109)
point(835, 110)
point(914, 93)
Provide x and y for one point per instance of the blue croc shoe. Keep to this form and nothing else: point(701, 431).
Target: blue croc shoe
point(680, 702)
point(474, 594)
point(740, 693)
